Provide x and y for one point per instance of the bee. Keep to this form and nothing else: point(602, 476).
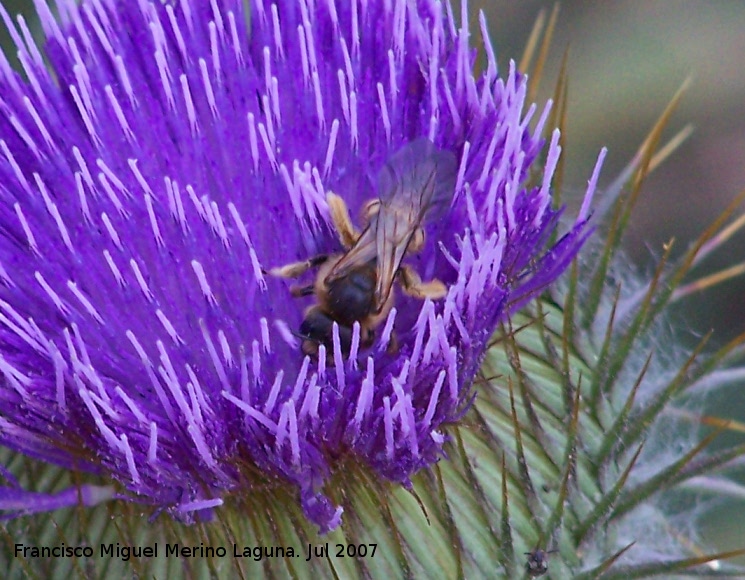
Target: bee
point(415, 184)
point(537, 564)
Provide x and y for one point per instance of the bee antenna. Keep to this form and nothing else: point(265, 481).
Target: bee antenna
point(305, 337)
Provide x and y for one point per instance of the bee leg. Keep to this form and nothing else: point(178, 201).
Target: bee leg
point(367, 337)
point(310, 347)
point(298, 268)
point(392, 347)
point(330, 363)
point(348, 235)
point(299, 291)
point(412, 285)
point(370, 209)
point(417, 242)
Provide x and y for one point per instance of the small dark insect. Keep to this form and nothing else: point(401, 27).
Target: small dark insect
point(537, 564)
point(355, 286)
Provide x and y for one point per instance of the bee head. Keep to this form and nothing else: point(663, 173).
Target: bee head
point(318, 328)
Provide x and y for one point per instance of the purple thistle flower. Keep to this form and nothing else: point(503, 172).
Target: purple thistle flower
point(173, 152)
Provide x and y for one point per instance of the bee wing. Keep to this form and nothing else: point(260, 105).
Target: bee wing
point(416, 182)
point(394, 232)
point(419, 175)
point(360, 254)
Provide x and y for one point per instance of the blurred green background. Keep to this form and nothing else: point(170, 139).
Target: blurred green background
point(627, 59)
